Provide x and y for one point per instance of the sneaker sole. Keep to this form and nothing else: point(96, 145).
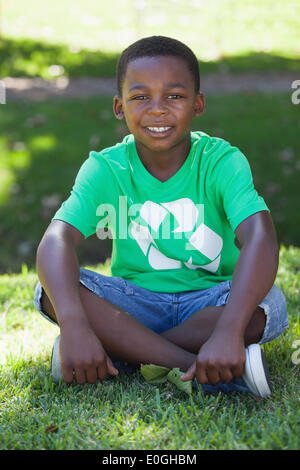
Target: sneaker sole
point(256, 374)
point(55, 362)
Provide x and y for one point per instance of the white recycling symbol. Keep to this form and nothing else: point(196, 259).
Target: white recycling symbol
point(203, 239)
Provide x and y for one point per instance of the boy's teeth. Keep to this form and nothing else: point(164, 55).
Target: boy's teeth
point(158, 129)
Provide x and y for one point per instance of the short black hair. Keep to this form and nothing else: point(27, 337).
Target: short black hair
point(154, 46)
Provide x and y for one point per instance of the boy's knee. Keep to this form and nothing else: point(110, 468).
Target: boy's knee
point(47, 307)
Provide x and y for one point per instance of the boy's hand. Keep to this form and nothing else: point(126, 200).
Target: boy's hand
point(222, 357)
point(82, 355)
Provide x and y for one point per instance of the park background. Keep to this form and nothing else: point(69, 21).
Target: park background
point(57, 63)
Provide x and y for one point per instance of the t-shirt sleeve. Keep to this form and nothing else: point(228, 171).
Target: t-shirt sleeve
point(87, 193)
point(235, 188)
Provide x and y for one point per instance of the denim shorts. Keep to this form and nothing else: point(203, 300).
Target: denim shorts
point(161, 311)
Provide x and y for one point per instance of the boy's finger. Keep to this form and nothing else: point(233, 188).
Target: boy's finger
point(80, 376)
point(201, 374)
point(67, 373)
point(190, 373)
point(91, 375)
point(111, 368)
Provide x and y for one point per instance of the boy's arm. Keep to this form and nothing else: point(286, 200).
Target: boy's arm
point(59, 274)
point(254, 273)
point(223, 355)
point(58, 269)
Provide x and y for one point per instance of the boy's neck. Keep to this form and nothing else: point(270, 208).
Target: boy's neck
point(163, 165)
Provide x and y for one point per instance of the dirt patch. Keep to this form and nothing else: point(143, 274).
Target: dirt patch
point(37, 89)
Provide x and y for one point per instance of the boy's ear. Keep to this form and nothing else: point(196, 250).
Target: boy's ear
point(199, 104)
point(118, 107)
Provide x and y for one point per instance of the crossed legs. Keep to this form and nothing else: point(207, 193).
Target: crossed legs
point(122, 336)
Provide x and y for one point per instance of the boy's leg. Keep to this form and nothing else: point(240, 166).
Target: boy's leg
point(140, 344)
point(124, 337)
point(268, 321)
point(189, 335)
point(196, 330)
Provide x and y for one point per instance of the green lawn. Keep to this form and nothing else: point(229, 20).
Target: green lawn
point(211, 28)
point(42, 146)
point(126, 412)
point(225, 35)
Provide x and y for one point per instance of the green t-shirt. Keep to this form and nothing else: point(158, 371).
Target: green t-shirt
point(170, 236)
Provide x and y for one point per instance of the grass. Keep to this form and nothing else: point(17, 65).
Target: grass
point(126, 412)
point(42, 146)
point(226, 27)
point(225, 35)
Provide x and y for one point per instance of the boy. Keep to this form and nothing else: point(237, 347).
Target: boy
point(181, 294)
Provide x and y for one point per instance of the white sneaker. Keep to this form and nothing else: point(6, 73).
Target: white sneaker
point(55, 362)
point(256, 373)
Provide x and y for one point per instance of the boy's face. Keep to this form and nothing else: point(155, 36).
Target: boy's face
point(158, 101)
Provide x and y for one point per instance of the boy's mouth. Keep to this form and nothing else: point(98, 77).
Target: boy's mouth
point(158, 131)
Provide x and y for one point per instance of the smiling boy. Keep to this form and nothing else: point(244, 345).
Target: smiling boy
point(163, 136)
point(181, 293)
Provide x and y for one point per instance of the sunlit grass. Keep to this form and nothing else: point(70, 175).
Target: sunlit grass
point(212, 28)
point(64, 39)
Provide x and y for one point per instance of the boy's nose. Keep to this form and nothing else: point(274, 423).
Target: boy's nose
point(157, 107)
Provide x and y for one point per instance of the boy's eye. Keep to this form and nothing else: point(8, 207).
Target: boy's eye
point(143, 97)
